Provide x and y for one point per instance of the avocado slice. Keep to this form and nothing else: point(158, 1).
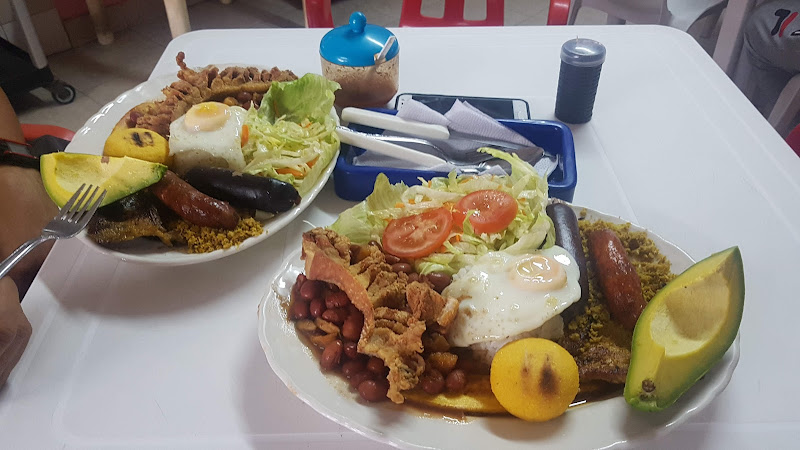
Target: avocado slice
point(684, 330)
point(64, 173)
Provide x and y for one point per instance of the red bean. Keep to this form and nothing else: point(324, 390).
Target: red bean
point(391, 259)
point(360, 377)
point(316, 307)
point(456, 381)
point(332, 355)
point(439, 280)
point(351, 328)
point(412, 277)
point(336, 300)
point(311, 289)
point(298, 282)
point(373, 390)
point(432, 382)
point(353, 367)
point(335, 315)
point(296, 293)
point(376, 366)
point(299, 310)
point(351, 350)
point(402, 267)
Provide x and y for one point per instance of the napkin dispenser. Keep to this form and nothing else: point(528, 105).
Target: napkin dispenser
point(355, 182)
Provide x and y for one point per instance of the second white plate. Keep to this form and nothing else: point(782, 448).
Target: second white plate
point(602, 424)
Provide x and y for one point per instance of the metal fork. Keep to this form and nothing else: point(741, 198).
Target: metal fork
point(70, 221)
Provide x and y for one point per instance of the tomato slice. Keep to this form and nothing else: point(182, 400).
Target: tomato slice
point(418, 235)
point(493, 210)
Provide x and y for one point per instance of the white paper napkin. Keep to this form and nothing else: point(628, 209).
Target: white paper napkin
point(465, 118)
point(420, 112)
point(461, 118)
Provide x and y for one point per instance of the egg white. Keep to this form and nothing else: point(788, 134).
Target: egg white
point(216, 148)
point(495, 307)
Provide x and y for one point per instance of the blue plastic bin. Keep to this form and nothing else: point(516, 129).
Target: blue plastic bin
point(355, 183)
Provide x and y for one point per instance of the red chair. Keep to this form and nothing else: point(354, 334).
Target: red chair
point(558, 13)
point(33, 131)
point(318, 14)
point(793, 139)
point(411, 15)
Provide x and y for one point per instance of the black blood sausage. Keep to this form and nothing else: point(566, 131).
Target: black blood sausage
point(568, 237)
point(244, 190)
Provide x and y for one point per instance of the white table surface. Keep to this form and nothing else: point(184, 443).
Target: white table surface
point(134, 356)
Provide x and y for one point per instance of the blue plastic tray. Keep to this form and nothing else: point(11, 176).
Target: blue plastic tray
point(355, 183)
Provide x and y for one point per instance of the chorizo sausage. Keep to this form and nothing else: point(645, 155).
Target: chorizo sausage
point(192, 205)
point(568, 237)
point(618, 279)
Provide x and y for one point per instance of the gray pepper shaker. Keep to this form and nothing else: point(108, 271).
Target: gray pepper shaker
point(581, 61)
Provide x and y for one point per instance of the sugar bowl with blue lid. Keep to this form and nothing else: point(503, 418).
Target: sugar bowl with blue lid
point(364, 59)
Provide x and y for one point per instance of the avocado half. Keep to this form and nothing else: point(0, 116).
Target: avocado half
point(684, 330)
point(64, 173)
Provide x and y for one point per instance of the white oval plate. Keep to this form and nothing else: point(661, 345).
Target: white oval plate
point(603, 424)
point(91, 138)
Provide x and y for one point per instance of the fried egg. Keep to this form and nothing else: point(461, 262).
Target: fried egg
point(208, 135)
point(504, 295)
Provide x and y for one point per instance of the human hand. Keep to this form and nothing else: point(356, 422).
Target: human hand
point(15, 330)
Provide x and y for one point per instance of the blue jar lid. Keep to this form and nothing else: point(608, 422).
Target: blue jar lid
point(356, 43)
point(583, 52)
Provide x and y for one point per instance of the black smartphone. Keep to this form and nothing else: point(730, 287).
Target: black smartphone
point(498, 108)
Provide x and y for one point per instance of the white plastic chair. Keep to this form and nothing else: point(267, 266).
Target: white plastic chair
point(729, 55)
point(786, 107)
point(680, 14)
point(178, 16)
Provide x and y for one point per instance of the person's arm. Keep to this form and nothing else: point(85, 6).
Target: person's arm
point(9, 124)
point(25, 207)
point(24, 210)
point(15, 330)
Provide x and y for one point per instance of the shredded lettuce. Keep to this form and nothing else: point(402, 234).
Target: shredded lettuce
point(531, 229)
point(291, 136)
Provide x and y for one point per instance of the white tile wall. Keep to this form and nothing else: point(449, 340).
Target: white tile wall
point(39, 6)
point(48, 26)
point(34, 7)
point(6, 12)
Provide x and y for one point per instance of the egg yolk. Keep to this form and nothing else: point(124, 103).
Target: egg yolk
point(207, 116)
point(538, 273)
